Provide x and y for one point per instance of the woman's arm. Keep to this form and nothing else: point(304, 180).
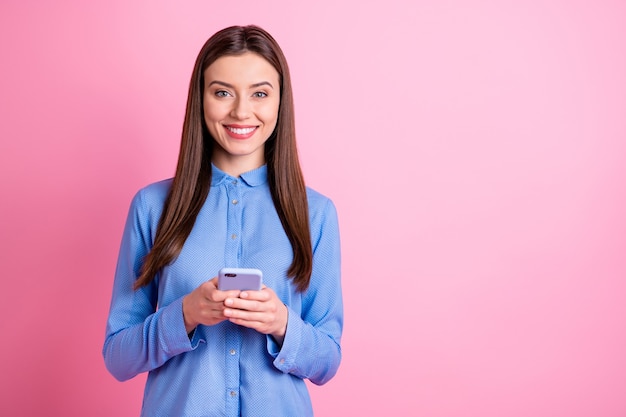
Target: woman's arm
point(311, 347)
point(139, 337)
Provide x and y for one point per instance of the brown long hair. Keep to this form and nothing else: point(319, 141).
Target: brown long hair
point(192, 180)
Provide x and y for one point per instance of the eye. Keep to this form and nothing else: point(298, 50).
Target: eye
point(222, 93)
point(259, 94)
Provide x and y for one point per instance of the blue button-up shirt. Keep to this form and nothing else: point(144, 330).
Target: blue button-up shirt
point(225, 369)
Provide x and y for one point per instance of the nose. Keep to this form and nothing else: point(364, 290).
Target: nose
point(241, 109)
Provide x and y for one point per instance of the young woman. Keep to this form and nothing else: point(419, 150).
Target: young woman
point(237, 199)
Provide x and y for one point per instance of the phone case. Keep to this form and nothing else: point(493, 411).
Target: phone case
point(239, 279)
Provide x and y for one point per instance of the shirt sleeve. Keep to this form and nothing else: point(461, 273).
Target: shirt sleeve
point(311, 348)
point(139, 335)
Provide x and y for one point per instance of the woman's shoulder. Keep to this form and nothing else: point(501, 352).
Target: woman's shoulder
point(323, 215)
point(154, 194)
point(316, 198)
point(319, 203)
point(157, 188)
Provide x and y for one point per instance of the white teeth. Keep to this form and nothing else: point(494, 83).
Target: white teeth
point(241, 131)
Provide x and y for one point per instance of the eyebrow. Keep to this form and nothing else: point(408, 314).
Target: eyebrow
point(232, 86)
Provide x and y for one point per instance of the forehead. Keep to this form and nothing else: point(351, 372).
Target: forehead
point(247, 68)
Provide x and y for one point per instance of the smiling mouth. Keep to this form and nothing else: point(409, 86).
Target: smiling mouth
point(241, 130)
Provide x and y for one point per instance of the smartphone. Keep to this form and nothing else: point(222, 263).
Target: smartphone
point(239, 279)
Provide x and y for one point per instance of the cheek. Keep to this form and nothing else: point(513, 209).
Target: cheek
point(211, 120)
point(215, 110)
point(270, 114)
point(212, 113)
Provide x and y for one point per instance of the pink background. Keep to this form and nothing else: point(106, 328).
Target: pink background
point(476, 152)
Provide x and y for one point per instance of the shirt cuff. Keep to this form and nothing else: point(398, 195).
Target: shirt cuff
point(285, 356)
point(177, 338)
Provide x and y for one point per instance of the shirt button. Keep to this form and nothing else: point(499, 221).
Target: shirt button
point(282, 360)
point(234, 182)
point(235, 201)
point(234, 236)
point(232, 351)
point(233, 394)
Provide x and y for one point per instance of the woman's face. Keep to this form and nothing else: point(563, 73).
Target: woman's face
point(241, 100)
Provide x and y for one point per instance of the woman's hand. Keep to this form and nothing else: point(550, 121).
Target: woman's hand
point(259, 310)
point(205, 305)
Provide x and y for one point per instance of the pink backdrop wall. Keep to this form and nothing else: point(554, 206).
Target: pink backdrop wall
point(476, 152)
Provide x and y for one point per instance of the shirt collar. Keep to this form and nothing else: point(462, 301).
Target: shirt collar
point(253, 178)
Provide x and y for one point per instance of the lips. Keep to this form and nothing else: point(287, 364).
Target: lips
point(240, 132)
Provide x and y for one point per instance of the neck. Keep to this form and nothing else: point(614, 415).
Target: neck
point(235, 166)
